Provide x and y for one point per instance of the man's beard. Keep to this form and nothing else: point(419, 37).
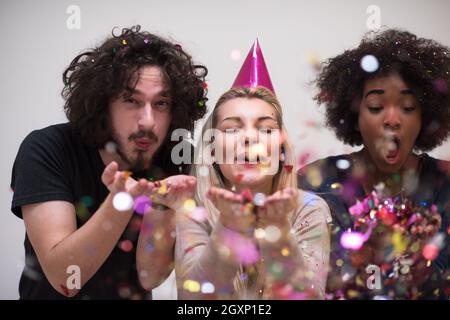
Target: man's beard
point(139, 164)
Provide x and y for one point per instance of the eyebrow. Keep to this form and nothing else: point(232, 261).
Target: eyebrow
point(238, 119)
point(381, 91)
point(162, 93)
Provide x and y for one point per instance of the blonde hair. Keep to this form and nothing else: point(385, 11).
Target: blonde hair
point(282, 179)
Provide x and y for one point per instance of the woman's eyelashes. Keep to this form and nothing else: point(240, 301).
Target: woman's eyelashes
point(409, 108)
point(263, 130)
point(232, 130)
point(375, 109)
point(378, 109)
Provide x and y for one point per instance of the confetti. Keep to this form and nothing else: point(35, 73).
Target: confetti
point(247, 195)
point(430, 251)
point(256, 151)
point(259, 233)
point(127, 174)
point(162, 190)
point(111, 147)
point(235, 55)
point(189, 205)
point(259, 199)
point(273, 234)
point(207, 287)
point(285, 252)
point(142, 204)
point(395, 235)
point(87, 201)
point(369, 63)
point(343, 164)
point(122, 201)
point(352, 240)
point(191, 285)
point(126, 245)
point(203, 171)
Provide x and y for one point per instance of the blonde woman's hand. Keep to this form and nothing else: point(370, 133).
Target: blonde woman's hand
point(173, 191)
point(235, 213)
point(276, 209)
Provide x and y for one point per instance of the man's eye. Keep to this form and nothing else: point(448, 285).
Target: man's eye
point(131, 100)
point(162, 104)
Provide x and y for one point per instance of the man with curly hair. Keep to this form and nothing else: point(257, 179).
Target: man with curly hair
point(72, 183)
point(391, 95)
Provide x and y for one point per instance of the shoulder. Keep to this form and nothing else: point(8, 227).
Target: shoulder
point(327, 163)
point(57, 135)
point(311, 204)
point(315, 174)
point(57, 132)
point(50, 147)
point(435, 166)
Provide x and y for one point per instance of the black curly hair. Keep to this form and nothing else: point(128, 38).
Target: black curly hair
point(98, 76)
point(422, 63)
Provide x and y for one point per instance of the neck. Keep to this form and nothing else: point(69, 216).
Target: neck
point(393, 181)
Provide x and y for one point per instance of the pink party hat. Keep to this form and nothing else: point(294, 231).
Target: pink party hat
point(254, 72)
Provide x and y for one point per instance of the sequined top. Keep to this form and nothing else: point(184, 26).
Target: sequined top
point(341, 188)
point(294, 267)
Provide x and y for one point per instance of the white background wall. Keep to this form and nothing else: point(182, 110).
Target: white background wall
point(36, 46)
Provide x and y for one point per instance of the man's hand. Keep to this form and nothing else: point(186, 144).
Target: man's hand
point(120, 181)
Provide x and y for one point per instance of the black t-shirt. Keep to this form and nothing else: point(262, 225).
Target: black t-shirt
point(433, 187)
point(54, 164)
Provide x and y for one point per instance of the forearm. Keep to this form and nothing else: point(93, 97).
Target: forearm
point(155, 249)
point(86, 248)
point(216, 261)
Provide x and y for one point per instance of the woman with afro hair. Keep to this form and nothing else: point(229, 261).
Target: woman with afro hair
point(391, 95)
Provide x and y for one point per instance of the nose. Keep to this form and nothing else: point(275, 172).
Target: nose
point(146, 118)
point(392, 119)
point(250, 136)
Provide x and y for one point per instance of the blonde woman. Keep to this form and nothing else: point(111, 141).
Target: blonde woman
point(258, 236)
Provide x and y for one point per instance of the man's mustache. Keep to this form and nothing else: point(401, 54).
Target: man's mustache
point(141, 134)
